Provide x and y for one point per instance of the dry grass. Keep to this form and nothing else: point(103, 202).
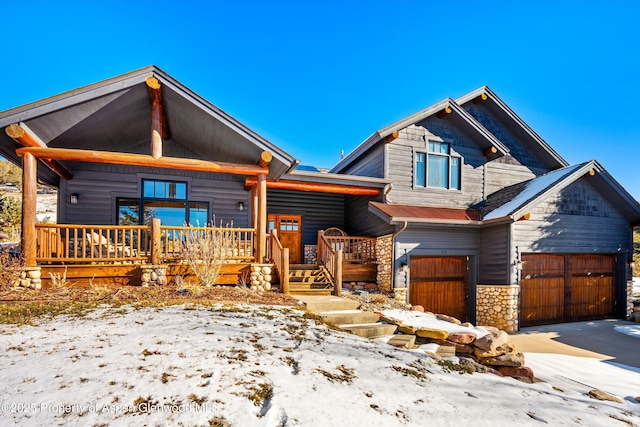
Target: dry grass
point(25, 306)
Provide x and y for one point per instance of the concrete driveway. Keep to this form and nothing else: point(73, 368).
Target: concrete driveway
point(596, 339)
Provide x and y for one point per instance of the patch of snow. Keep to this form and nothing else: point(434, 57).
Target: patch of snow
point(269, 366)
point(631, 330)
point(531, 190)
point(636, 286)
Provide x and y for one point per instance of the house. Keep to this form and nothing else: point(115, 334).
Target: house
point(489, 223)
point(461, 207)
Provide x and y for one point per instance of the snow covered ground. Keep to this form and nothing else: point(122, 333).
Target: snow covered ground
point(273, 366)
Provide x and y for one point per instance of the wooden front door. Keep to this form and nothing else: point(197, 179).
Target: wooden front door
point(561, 288)
point(439, 284)
point(290, 234)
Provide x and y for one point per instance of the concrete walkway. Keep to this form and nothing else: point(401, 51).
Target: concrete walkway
point(596, 339)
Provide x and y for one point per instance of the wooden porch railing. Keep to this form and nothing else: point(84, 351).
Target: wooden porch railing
point(361, 250)
point(66, 243)
point(91, 243)
point(280, 257)
point(331, 259)
point(172, 241)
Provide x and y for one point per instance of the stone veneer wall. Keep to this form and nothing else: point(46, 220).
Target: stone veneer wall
point(310, 254)
point(498, 306)
point(153, 275)
point(384, 251)
point(629, 311)
point(261, 277)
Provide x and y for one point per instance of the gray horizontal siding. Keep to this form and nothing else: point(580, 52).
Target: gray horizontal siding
point(438, 241)
point(501, 175)
point(319, 211)
point(576, 220)
point(360, 222)
point(371, 164)
point(100, 185)
point(494, 264)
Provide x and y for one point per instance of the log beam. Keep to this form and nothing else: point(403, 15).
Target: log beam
point(393, 136)
point(26, 139)
point(444, 112)
point(29, 194)
point(107, 157)
point(316, 187)
point(159, 128)
point(261, 230)
point(489, 151)
point(478, 99)
point(265, 159)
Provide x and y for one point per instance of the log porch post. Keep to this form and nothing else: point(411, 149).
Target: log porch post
point(29, 192)
point(261, 228)
point(159, 128)
point(156, 241)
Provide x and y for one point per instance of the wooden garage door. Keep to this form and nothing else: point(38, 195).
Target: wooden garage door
point(562, 288)
point(439, 284)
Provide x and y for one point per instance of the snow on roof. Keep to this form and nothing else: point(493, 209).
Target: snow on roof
point(532, 189)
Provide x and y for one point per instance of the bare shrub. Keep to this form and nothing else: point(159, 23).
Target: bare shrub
point(11, 267)
point(59, 280)
point(206, 249)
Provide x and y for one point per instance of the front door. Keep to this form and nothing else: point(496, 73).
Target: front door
point(290, 234)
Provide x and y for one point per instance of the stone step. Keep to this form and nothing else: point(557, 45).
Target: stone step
point(370, 330)
point(348, 317)
point(402, 341)
point(310, 292)
point(317, 304)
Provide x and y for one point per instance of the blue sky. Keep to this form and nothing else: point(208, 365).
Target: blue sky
point(318, 77)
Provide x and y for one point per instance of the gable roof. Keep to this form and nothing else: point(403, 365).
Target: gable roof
point(513, 202)
point(114, 115)
point(502, 110)
point(460, 113)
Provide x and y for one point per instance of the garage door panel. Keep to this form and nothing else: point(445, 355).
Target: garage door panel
point(439, 284)
point(542, 300)
point(559, 288)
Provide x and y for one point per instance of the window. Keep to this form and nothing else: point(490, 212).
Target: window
point(166, 200)
point(437, 168)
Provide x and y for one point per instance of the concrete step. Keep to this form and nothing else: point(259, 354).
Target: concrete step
point(348, 317)
point(370, 330)
point(317, 304)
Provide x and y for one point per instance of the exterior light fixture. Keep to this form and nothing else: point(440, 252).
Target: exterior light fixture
point(73, 199)
point(240, 206)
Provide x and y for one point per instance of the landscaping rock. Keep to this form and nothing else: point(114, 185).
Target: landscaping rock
point(477, 367)
point(503, 349)
point(601, 395)
point(510, 359)
point(492, 340)
point(516, 372)
point(438, 334)
point(449, 319)
point(462, 337)
point(407, 329)
point(417, 308)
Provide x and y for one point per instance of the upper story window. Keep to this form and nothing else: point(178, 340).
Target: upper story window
point(437, 168)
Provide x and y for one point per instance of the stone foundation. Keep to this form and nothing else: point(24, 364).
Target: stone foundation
point(30, 278)
point(401, 294)
point(261, 277)
point(154, 275)
point(384, 249)
point(629, 311)
point(310, 254)
point(497, 306)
